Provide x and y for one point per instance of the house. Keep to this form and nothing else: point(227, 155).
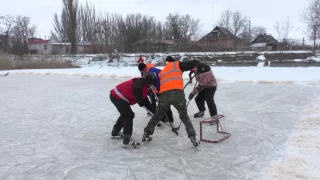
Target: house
point(91, 47)
point(82, 47)
point(39, 46)
point(61, 48)
point(221, 39)
point(264, 42)
point(153, 46)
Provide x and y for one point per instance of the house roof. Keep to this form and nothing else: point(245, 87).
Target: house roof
point(62, 44)
point(37, 41)
point(223, 30)
point(266, 39)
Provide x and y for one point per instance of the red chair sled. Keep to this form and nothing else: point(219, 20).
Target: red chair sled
point(214, 120)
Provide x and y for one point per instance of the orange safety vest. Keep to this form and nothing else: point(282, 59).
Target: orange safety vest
point(149, 65)
point(171, 77)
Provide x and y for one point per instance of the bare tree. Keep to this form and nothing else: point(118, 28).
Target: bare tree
point(255, 31)
point(71, 10)
point(283, 28)
point(88, 20)
point(22, 31)
point(60, 27)
point(311, 17)
point(116, 31)
point(233, 21)
point(182, 27)
point(6, 25)
point(226, 19)
point(239, 23)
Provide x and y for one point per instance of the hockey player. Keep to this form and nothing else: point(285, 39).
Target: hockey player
point(153, 99)
point(144, 68)
point(172, 93)
point(123, 96)
point(140, 60)
point(206, 89)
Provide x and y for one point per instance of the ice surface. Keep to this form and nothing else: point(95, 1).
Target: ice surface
point(58, 127)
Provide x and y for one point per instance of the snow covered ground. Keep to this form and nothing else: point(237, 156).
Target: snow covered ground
point(58, 127)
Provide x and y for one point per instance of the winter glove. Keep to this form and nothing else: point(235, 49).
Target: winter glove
point(191, 96)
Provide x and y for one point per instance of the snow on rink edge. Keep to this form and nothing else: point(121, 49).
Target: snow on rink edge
point(283, 75)
point(301, 160)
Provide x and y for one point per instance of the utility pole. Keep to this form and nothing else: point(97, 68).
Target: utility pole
point(212, 17)
point(249, 33)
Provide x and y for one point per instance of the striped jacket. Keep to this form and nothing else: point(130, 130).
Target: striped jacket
point(205, 79)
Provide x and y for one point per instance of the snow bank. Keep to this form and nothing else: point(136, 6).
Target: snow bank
point(302, 160)
point(313, 58)
point(226, 74)
point(261, 58)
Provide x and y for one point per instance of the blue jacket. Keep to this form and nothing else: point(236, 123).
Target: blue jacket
point(156, 71)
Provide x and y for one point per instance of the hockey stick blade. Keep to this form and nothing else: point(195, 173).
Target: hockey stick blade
point(6, 74)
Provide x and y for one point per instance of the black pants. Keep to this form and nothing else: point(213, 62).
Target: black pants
point(207, 94)
point(125, 120)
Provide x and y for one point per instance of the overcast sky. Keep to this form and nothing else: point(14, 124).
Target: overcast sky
point(261, 12)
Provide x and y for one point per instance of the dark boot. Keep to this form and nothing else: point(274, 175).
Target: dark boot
point(146, 137)
point(199, 114)
point(116, 134)
point(129, 142)
point(194, 141)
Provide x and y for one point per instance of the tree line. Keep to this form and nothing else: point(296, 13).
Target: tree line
point(82, 22)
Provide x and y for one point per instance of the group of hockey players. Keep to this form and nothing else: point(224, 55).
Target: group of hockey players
point(164, 88)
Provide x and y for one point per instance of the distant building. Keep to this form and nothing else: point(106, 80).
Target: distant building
point(153, 46)
point(83, 47)
point(221, 39)
point(264, 42)
point(61, 48)
point(39, 46)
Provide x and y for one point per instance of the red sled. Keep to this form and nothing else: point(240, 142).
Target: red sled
point(215, 120)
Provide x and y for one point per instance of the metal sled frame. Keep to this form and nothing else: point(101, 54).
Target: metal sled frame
point(216, 120)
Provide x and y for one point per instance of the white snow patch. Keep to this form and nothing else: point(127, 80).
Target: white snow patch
point(302, 160)
point(227, 74)
point(313, 58)
point(260, 64)
point(261, 58)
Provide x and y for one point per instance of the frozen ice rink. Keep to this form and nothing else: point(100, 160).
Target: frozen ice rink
point(58, 128)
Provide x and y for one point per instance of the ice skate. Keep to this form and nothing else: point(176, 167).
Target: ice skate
point(195, 142)
point(119, 135)
point(160, 124)
point(129, 142)
point(214, 122)
point(146, 138)
point(115, 134)
point(199, 114)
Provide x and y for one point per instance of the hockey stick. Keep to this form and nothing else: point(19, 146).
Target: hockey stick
point(6, 74)
point(165, 115)
point(177, 128)
point(172, 129)
point(189, 81)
